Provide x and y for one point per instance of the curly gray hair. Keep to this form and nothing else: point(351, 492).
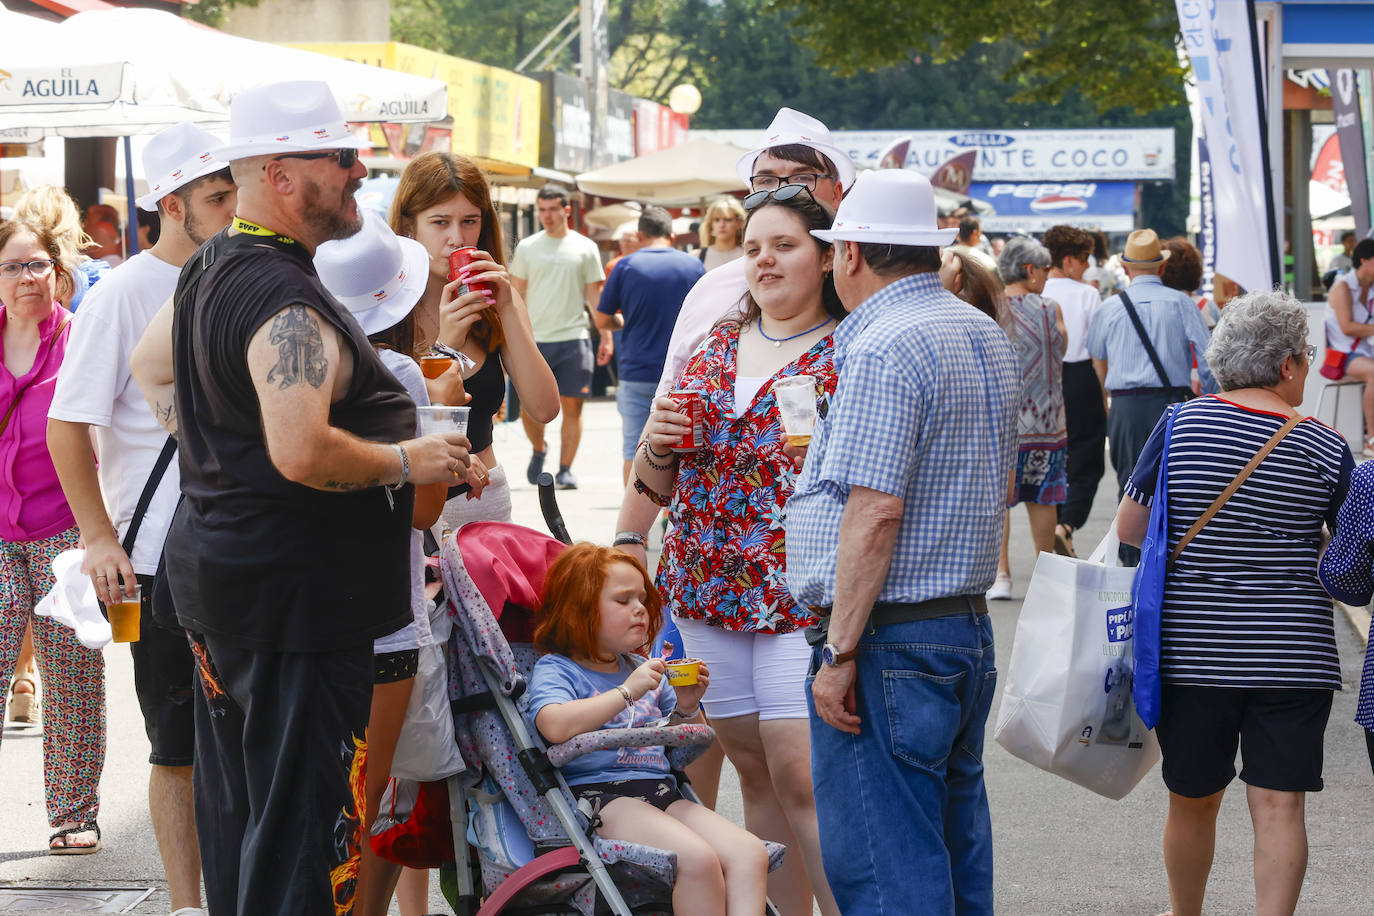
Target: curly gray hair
point(1017, 253)
point(1257, 332)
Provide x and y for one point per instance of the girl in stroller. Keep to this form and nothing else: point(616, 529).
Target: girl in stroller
point(599, 610)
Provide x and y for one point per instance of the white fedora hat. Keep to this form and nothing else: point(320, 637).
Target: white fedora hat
point(376, 274)
point(293, 117)
point(176, 157)
point(892, 206)
point(791, 126)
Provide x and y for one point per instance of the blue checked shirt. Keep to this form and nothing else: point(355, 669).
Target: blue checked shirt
point(1175, 327)
point(925, 409)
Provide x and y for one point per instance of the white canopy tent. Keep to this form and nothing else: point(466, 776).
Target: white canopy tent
point(683, 174)
point(112, 73)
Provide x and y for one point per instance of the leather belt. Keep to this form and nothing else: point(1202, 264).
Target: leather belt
point(886, 613)
point(1125, 392)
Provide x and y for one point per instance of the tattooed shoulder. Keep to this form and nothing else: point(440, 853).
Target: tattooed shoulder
point(300, 349)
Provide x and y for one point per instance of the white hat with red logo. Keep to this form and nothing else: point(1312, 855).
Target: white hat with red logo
point(176, 157)
point(294, 117)
point(889, 206)
point(791, 127)
point(378, 275)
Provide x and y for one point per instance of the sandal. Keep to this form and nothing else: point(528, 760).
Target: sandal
point(24, 706)
point(1063, 541)
point(63, 832)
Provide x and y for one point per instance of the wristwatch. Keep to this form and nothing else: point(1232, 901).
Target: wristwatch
point(833, 658)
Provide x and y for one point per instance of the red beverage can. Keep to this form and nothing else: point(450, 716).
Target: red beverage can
point(457, 260)
point(691, 404)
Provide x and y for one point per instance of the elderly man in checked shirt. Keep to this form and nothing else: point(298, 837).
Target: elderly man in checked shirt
point(892, 537)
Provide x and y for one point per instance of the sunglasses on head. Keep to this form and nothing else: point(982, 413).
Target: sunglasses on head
point(785, 193)
point(345, 157)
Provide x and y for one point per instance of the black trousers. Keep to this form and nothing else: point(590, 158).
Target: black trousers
point(1132, 419)
point(279, 777)
point(1086, 419)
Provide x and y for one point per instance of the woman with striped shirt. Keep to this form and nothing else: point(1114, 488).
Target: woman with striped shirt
point(1248, 647)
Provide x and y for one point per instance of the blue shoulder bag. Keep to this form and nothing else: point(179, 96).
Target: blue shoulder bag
point(1147, 593)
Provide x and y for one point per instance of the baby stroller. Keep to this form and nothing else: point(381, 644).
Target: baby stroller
point(533, 849)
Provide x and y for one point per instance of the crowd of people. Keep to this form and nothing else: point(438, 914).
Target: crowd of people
point(230, 428)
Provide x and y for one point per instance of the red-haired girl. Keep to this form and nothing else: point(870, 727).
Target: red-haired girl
point(600, 611)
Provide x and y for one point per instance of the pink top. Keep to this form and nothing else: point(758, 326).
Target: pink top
point(31, 502)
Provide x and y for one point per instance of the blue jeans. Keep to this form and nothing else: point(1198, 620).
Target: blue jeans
point(902, 808)
point(635, 401)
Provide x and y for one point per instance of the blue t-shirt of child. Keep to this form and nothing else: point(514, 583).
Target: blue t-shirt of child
point(558, 679)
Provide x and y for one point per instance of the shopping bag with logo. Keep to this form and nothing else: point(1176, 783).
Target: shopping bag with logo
point(1067, 705)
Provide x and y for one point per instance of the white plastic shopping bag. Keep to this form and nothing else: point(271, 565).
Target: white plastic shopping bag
point(427, 749)
point(1067, 705)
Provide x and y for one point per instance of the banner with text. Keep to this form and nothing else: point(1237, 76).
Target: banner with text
point(1345, 107)
point(1036, 206)
point(1218, 40)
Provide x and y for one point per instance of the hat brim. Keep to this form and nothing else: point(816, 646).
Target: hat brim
point(744, 165)
point(374, 317)
point(915, 238)
point(149, 201)
point(1163, 256)
point(231, 151)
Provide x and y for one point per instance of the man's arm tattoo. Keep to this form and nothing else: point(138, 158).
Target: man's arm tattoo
point(166, 415)
point(345, 486)
point(300, 348)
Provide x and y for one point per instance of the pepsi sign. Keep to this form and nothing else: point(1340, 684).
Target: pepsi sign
point(1035, 206)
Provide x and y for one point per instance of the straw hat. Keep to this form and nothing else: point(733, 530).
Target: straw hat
point(1143, 248)
point(294, 117)
point(378, 275)
point(893, 206)
point(790, 126)
point(176, 157)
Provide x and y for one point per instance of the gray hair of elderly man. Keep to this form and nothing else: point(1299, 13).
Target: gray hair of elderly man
point(1256, 333)
point(1017, 253)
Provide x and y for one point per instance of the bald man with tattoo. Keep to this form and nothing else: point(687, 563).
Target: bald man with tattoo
point(290, 552)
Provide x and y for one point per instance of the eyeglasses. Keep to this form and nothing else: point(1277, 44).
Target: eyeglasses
point(782, 194)
point(13, 270)
point(771, 182)
point(1309, 352)
point(345, 157)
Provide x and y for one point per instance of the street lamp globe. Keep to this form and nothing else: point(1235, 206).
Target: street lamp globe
point(685, 99)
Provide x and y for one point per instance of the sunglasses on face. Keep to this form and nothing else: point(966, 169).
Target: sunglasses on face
point(344, 157)
point(38, 269)
point(782, 194)
point(772, 182)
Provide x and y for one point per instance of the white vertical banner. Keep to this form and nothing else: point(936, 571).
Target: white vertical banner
point(1217, 35)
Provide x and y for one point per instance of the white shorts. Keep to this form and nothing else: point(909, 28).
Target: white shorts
point(751, 673)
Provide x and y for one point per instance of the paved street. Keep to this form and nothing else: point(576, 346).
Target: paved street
point(1060, 849)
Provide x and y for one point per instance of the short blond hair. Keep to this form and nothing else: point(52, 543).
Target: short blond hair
point(52, 208)
point(722, 206)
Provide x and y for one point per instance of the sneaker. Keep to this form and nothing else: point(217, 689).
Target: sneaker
point(564, 480)
point(535, 469)
point(1001, 589)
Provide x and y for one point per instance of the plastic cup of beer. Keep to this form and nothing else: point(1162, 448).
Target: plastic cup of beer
point(124, 616)
point(440, 418)
point(796, 397)
point(684, 672)
point(435, 366)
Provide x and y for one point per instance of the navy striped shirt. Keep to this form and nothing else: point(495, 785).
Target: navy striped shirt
point(1243, 606)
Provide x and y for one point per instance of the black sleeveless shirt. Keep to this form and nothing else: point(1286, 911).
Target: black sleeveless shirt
point(252, 557)
point(488, 389)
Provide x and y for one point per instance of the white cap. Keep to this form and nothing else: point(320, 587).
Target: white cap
point(295, 117)
point(378, 275)
point(176, 157)
point(892, 206)
point(790, 126)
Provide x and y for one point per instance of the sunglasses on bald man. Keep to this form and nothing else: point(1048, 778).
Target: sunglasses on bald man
point(345, 157)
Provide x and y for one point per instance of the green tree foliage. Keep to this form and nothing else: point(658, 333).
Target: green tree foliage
point(213, 12)
point(747, 59)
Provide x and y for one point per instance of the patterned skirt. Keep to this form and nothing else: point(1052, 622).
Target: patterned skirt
point(1041, 476)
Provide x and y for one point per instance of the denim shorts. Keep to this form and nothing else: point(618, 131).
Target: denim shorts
point(571, 362)
point(635, 401)
point(164, 682)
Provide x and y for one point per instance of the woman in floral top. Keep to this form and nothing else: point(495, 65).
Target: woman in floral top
point(722, 570)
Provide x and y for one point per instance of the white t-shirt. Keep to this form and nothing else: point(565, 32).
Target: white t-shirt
point(746, 388)
point(719, 291)
point(95, 386)
point(417, 632)
point(1080, 303)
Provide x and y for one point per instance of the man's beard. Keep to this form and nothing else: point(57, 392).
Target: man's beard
point(330, 222)
point(193, 228)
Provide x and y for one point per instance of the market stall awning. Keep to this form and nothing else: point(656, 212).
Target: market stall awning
point(681, 174)
point(128, 71)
